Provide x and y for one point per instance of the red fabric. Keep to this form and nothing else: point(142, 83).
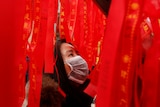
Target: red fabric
point(36, 55)
point(108, 54)
point(152, 8)
point(51, 17)
point(10, 29)
point(41, 47)
point(93, 46)
point(63, 22)
point(8, 91)
point(151, 71)
point(88, 44)
point(119, 55)
point(79, 25)
point(20, 49)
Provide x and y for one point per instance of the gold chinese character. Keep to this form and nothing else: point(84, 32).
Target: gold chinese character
point(126, 58)
point(26, 16)
point(159, 22)
point(123, 101)
point(84, 16)
point(62, 27)
point(62, 33)
point(123, 74)
point(34, 78)
point(37, 18)
point(73, 12)
point(134, 6)
point(27, 7)
point(85, 12)
point(36, 30)
point(37, 1)
point(25, 26)
point(33, 66)
point(62, 13)
point(24, 37)
point(73, 3)
point(123, 88)
point(132, 16)
point(145, 27)
point(62, 19)
point(85, 7)
point(37, 9)
point(20, 67)
point(70, 27)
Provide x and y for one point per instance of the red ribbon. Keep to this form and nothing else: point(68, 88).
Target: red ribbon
point(51, 17)
point(63, 21)
point(150, 79)
point(118, 55)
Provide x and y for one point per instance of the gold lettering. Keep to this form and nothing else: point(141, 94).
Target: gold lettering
point(26, 16)
point(25, 26)
point(145, 27)
point(62, 27)
point(33, 66)
point(36, 30)
point(37, 9)
point(62, 13)
point(123, 101)
point(62, 33)
point(123, 88)
point(132, 16)
point(134, 6)
point(37, 1)
point(62, 19)
point(73, 3)
point(126, 58)
point(70, 27)
point(27, 7)
point(123, 74)
point(37, 18)
point(20, 67)
point(159, 22)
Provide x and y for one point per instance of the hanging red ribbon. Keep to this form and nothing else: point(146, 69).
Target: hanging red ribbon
point(12, 53)
point(63, 21)
point(51, 17)
point(118, 55)
point(150, 79)
point(72, 18)
point(36, 55)
point(22, 42)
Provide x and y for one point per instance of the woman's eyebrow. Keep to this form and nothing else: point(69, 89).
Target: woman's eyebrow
point(69, 51)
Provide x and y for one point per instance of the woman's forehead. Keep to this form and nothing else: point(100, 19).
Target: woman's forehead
point(66, 47)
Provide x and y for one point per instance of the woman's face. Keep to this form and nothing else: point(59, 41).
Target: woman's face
point(67, 52)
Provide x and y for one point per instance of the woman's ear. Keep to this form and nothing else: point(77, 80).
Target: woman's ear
point(67, 68)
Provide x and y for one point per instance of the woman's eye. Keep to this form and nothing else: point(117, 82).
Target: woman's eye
point(70, 55)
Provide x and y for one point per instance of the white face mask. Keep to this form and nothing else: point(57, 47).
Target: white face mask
point(79, 69)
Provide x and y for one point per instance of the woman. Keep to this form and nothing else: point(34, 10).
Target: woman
point(71, 72)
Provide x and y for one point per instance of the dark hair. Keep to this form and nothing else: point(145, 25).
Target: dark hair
point(50, 96)
point(59, 69)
